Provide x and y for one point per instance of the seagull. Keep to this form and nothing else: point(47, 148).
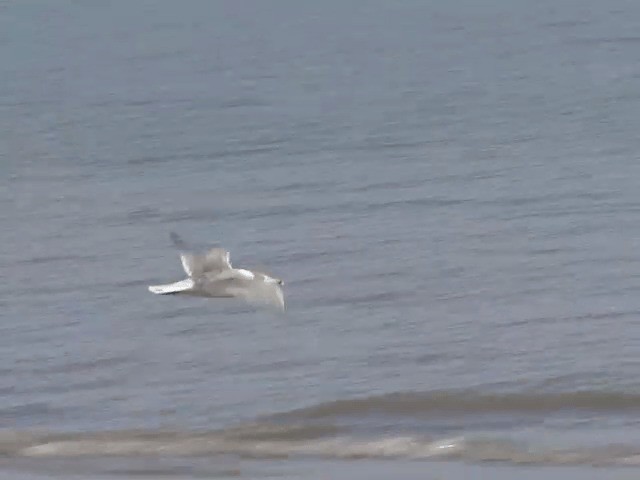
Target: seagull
point(210, 274)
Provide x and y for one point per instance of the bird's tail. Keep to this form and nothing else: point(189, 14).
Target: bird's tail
point(182, 286)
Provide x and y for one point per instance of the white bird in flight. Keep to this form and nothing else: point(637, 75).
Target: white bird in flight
point(210, 274)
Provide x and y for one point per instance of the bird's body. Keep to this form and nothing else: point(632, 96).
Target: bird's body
point(211, 275)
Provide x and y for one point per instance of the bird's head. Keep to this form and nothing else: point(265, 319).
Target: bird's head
point(270, 279)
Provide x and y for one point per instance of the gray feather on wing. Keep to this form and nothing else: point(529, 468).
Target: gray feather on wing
point(195, 264)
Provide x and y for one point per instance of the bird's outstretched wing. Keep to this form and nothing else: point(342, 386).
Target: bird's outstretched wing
point(197, 264)
point(254, 288)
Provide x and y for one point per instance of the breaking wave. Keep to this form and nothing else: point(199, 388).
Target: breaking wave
point(149, 443)
point(309, 432)
point(472, 403)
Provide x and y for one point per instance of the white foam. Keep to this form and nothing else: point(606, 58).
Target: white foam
point(341, 447)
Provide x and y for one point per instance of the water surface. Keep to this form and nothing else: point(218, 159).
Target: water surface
point(449, 192)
